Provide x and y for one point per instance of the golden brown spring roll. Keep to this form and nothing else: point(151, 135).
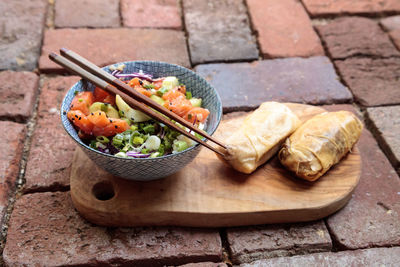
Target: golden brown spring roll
point(320, 143)
point(260, 136)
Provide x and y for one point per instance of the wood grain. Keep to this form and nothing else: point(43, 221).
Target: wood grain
point(207, 193)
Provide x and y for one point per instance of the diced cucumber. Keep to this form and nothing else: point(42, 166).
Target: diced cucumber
point(110, 111)
point(96, 106)
point(179, 146)
point(186, 139)
point(130, 113)
point(170, 82)
point(196, 102)
point(158, 99)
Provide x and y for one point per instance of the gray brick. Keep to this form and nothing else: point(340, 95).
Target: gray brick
point(21, 27)
point(244, 86)
point(218, 31)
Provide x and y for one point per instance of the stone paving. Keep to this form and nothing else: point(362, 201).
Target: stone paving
point(340, 54)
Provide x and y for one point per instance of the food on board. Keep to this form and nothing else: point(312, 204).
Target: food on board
point(260, 136)
point(320, 143)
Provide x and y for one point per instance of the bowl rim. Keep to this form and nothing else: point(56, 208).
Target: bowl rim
point(79, 141)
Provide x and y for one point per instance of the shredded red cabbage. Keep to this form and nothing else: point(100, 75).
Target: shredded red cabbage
point(137, 154)
point(110, 149)
point(140, 75)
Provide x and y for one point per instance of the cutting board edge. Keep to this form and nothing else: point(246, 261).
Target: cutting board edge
point(174, 218)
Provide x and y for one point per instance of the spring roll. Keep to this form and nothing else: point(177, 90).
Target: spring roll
point(260, 136)
point(320, 143)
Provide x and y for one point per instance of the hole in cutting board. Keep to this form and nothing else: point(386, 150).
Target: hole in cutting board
point(103, 190)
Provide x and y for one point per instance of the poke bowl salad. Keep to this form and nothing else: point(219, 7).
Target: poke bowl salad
point(107, 124)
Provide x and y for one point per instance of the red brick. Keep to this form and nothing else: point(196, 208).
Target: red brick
point(391, 23)
point(51, 149)
point(151, 13)
point(18, 91)
point(284, 29)
point(365, 257)
point(244, 86)
point(385, 124)
point(218, 31)
point(45, 229)
point(86, 13)
point(258, 242)
point(21, 29)
point(373, 81)
point(11, 145)
point(356, 36)
point(372, 217)
point(335, 7)
point(108, 46)
point(395, 35)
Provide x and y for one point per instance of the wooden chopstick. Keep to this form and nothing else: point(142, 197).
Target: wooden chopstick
point(74, 68)
point(92, 68)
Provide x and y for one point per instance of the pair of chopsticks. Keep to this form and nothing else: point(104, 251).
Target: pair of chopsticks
point(76, 64)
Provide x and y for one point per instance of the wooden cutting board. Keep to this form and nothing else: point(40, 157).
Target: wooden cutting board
point(207, 193)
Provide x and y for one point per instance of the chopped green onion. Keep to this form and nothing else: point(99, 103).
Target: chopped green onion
point(80, 100)
point(93, 144)
point(162, 91)
point(188, 95)
point(167, 144)
point(161, 150)
point(136, 133)
point(180, 146)
point(144, 151)
point(149, 129)
point(98, 144)
point(118, 140)
point(155, 155)
point(134, 127)
point(137, 140)
point(102, 139)
point(127, 135)
point(76, 92)
point(121, 155)
point(172, 134)
point(126, 148)
point(148, 86)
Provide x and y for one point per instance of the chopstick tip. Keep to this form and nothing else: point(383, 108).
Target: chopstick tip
point(64, 50)
point(52, 55)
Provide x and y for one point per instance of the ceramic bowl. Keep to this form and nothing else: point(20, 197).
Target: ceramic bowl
point(149, 168)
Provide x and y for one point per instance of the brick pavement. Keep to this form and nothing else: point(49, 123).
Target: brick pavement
point(251, 51)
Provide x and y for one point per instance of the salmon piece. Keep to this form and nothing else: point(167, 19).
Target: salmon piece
point(181, 89)
point(158, 84)
point(99, 118)
point(179, 106)
point(82, 101)
point(197, 114)
point(173, 94)
point(103, 96)
point(97, 124)
point(143, 91)
point(134, 82)
point(80, 120)
point(114, 127)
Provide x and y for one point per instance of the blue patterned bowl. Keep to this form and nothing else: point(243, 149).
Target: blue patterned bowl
point(150, 168)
